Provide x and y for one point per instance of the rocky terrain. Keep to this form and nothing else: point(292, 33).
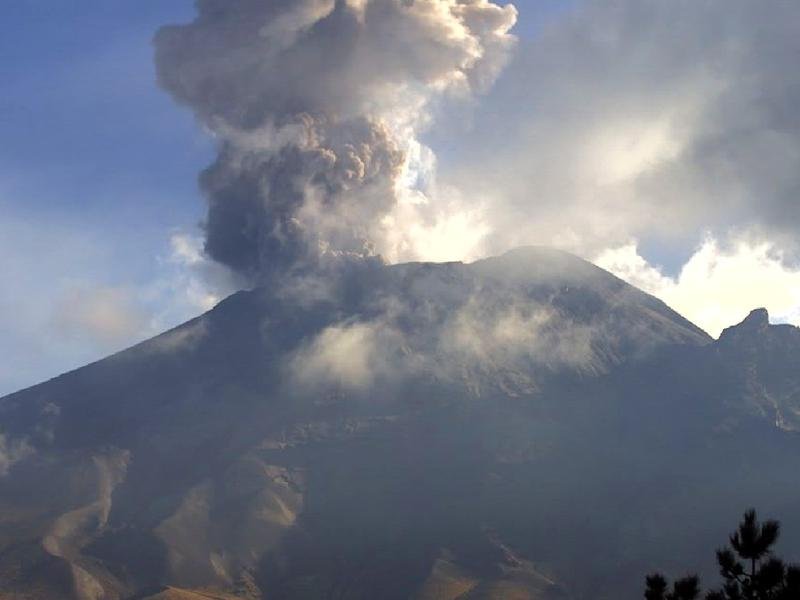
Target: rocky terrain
point(527, 426)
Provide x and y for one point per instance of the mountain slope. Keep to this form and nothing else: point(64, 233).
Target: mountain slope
point(421, 430)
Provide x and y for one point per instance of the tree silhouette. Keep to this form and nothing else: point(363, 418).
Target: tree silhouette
point(748, 568)
point(687, 588)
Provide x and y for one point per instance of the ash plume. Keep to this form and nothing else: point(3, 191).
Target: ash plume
point(316, 106)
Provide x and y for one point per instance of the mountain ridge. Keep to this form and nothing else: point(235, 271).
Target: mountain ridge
point(558, 263)
point(403, 431)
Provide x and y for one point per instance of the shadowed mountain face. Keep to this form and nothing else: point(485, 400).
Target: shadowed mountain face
point(527, 426)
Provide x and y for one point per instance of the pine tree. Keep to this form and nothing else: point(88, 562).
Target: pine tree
point(687, 588)
point(748, 568)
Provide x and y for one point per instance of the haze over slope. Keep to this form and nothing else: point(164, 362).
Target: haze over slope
point(521, 425)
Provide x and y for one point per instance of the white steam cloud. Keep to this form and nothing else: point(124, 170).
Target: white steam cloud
point(640, 119)
point(12, 451)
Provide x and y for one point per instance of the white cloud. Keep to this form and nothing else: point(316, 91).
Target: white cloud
point(459, 333)
point(641, 119)
point(67, 299)
point(109, 316)
point(11, 452)
point(719, 285)
point(348, 354)
point(450, 229)
point(520, 331)
point(187, 282)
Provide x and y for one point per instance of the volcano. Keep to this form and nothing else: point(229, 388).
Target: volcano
point(526, 426)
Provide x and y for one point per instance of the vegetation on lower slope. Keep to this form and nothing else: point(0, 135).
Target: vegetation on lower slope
point(749, 569)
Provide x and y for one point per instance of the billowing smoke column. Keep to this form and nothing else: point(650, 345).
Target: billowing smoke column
point(316, 106)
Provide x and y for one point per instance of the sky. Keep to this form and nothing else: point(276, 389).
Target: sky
point(661, 143)
point(98, 170)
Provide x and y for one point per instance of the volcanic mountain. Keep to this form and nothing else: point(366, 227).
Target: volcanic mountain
point(526, 426)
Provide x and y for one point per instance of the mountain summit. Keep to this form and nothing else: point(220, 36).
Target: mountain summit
point(516, 427)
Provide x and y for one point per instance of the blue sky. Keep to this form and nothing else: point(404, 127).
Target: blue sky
point(87, 136)
point(97, 166)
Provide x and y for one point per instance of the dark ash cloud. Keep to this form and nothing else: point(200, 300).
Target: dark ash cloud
point(316, 105)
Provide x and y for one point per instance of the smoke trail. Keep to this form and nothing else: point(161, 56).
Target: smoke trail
point(317, 106)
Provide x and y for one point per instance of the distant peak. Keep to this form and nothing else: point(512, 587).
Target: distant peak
point(757, 319)
point(756, 322)
point(539, 261)
point(539, 253)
